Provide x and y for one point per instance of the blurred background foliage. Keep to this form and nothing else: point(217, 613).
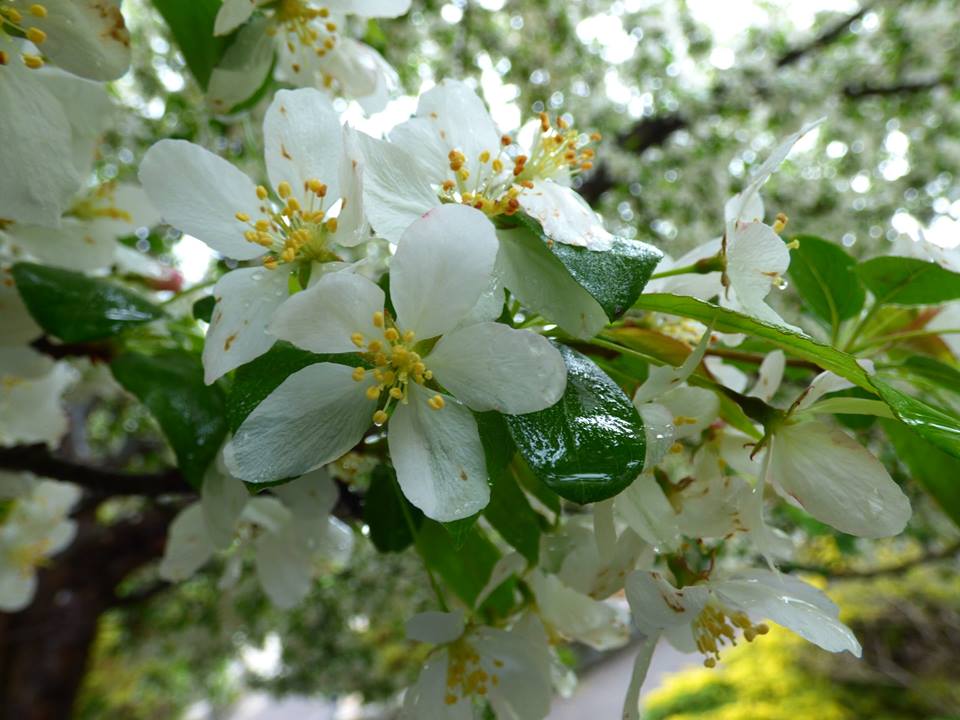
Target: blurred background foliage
point(689, 95)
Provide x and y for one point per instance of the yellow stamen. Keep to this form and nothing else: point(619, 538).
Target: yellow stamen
point(38, 10)
point(36, 35)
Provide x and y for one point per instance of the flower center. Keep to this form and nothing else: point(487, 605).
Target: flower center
point(395, 365)
point(304, 25)
point(465, 677)
point(26, 558)
point(100, 203)
point(296, 231)
point(716, 625)
point(558, 150)
point(12, 19)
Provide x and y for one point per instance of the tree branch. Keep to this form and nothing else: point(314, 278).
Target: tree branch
point(822, 40)
point(38, 459)
point(906, 87)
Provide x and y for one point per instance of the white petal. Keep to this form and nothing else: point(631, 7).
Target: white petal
point(763, 596)
point(749, 211)
point(656, 604)
point(579, 617)
point(395, 190)
point(702, 286)
point(34, 139)
point(419, 137)
point(284, 568)
point(352, 228)
point(310, 496)
point(324, 317)
point(19, 327)
point(188, 545)
point(461, 119)
point(30, 407)
point(232, 14)
point(267, 513)
point(490, 366)
point(693, 408)
point(244, 66)
point(648, 513)
point(565, 216)
point(541, 282)
point(659, 431)
point(314, 416)
point(712, 505)
point(755, 255)
point(824, 383)
point(200, 194)
point(370, 8)
point(75, 245)
point(303, 141)
point(524, 689)
point(664, 378)
point(427, 697)
point(361, 73)
point(238, 332)
point(435, 627)
point(641, 664)
point(729, 376)
point(837, 480)
point(85, 37)
point(442, 266)
point(769, 376)
point(223, 498)
point(16, 588)
point(438, 457)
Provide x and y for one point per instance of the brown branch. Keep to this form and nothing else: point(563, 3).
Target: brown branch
point(38, 459)
point(97, 351)
point(906, 87)
point(822, 40)
point(943, 553)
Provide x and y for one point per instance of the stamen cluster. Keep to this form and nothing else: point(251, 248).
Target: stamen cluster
point(717, 626)
point(310, 27)
point(465, 677)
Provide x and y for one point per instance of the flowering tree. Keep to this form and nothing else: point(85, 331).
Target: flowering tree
point(426, 338)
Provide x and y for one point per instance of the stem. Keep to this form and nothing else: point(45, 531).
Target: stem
point(184, 293)
point(413, 532)
point(862, 324)
point(714, 263)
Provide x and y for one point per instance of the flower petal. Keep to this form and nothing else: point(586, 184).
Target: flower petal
point(769, 376)
point(656, 604)
point(442, 266)
point(648, 513)
point(314, 416)
point(490, 366)
point(303, 141)
point(238, 332)
point(75, 245)
point(520, 658)
point(284, 567)
point(370, 8)
point(395, 190)
point(565, 216)
point(352, 228)
point(232, 14)
point(755, 257)
point(244, 66)
point(664, 378)
point(437, 628)
point(693, 408)
point(837, 480)
point(438, 457)
point(86, 37)
point(30, 398)
point(323, 318)
point(200, 194)
point(577, 616)
point(19, 327)
point(16, 588)
point(188, 545)
point(222, 498)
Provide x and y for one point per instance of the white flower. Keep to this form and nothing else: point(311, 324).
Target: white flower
point(510, 669)
point(35, 528)
point(452, 152)
point(295, 533)
point(708, 614)
point(312, 50)
point(320, 412)
point(31, 386)
point(317, 183)
point(19, 327)
point(49, 124)
point(86, 238)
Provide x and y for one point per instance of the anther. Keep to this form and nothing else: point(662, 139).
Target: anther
point(436, 402)
point(242, 217)
point(359, 373)
point(357, 339)
point(284, 190)
point(379, 418)
point(396, 393)
point(391, 334)
point(38, 10)
point(34, 62)
point(261, 192)
point(378, 319)
point(373, 392)
point(36, 35)
point(331, 225)
point(780, 223)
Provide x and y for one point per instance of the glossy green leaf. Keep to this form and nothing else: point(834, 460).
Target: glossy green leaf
point(939, 427)
point(391, 518)
point(936, 471)
point(590, 445)
point(614, 277)
point(191, 24)
point(724, 320)
point(191, 414)
point(77, 308)
point(826, 278)
point(909, 281)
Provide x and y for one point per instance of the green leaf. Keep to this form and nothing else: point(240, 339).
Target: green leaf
point(465, 570)
point(391, 518)
point(614, 277)
point(934, 371)
point(191, 414)
point(203, 308)
point(260, 377)
point(939, 427)
point(909, 281)
point(460, 529)
point(77, 308)
point(724, 320)
point(509, 511)
point(191, 24)
point(826, 278)
point(590, 445)
point(936, 471)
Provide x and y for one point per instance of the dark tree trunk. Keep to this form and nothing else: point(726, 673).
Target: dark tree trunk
point(44, 649)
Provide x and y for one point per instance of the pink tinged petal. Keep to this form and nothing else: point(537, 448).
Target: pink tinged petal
point(325, 317)
point(200, 193)
point(303, 141)
point(777, 598)
point(490, 366)
point(442, 266)
point(565, 216)
point(438, 457)
point(316, 415)
point(837, 480)
point(238, 333)
point(86, 37)
point(396, 192)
